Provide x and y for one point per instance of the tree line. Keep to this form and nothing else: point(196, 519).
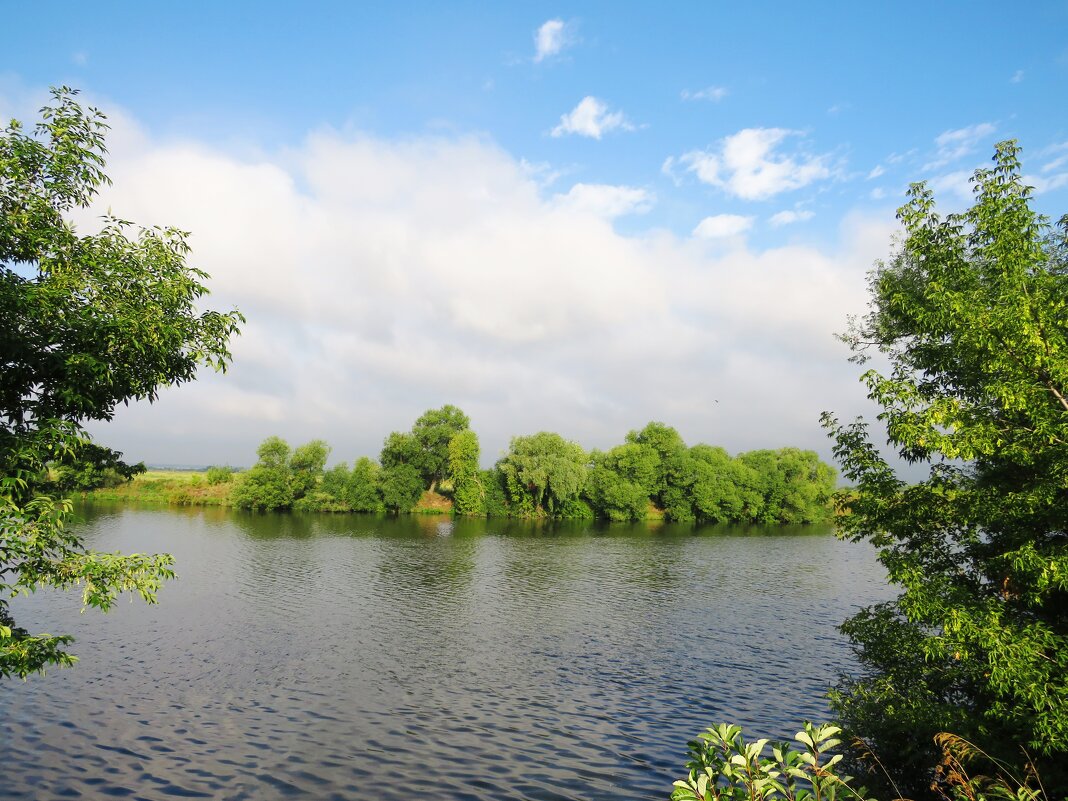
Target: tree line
point(653, 473)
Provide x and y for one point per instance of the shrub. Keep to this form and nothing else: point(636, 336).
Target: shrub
point(219, 475)
point(724, 767)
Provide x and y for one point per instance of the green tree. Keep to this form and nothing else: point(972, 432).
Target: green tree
point(543, 472)
point(714, 492)
point(306, 467)
point(86, 322)
point(620, 481)
point(665, 443)
point(89, 467)
point(363, 492)
point(400, 448)
point(468, 496)
point(400, 485)
point(268, 484)
point(794, 486)
point(971, 315)
point(335, 481)
point(433, 431)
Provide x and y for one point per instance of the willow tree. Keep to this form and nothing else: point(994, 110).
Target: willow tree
point(971, 317)
point(87, 322)
point(543, 474)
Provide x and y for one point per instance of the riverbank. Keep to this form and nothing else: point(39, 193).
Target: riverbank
point(216, 487)
point(193, 488)
point(167, 488)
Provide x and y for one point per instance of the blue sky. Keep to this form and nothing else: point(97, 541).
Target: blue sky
point(577, 217)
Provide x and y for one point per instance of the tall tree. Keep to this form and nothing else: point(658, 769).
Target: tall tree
point(363, 492)
point(468, 495)
point(971, 314)
point(86, 322)
point(433, 431)
point(543, 472)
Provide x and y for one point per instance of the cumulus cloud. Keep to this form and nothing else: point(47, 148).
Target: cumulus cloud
point(748, 165)
point(605, 200)
point(591, 118)
point(713, 93)
point(790, 216)
point(381, 278)
point(720, 226)
point(958, 143)
point(552, 37)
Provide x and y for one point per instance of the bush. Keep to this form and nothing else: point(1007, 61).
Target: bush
point(724, 767)
point(219, 475)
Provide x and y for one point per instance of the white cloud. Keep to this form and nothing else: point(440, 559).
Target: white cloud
point(958, 185)
point(878, 193)
point(381, 278)
point(1046, 183)
point(552, 37)
point(957, 144)
point(713, 93)
point(720, 226)
point(1017, 76)
point(876, 171)
point(1057, 163)
point(789, 217)
point(747, 165)
point(591, 118)
point(605, 200)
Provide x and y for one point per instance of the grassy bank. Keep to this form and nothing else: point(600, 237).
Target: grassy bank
point(191, 488)
point(167, 488)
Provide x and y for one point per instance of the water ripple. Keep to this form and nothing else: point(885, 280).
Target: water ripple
point(351, 658)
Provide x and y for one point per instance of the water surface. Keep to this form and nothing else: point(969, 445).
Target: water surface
point(354, 657)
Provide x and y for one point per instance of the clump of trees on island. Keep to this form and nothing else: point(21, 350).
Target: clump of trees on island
point(653, 473)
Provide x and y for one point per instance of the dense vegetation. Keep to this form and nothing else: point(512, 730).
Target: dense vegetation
point(652, 474)
point(971, 314)
point(86, 322)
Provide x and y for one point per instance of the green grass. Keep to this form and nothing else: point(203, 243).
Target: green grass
point(167, 488)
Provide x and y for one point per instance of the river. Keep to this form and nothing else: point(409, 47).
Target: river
point(355, 657)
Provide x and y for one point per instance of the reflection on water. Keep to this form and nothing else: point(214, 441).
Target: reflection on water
point(360, 657)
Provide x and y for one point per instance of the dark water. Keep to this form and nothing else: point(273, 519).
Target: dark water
point(360, 658)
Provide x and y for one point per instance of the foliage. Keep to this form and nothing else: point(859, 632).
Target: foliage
point(468, 495)
point(433, 431)
point(426, 446)
point(494, 495)
point(620, 481)
point(792, 485)
point(652, 475)
point(86, 322)
point(219, 475)
point(400, 485)
point(363, 492)
point(662, 445)
point(954, 782)
point(306, 467)
point(724, 767)
point(268, 484)
point(542, 472)
point(89, 467)
point(971, 315)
